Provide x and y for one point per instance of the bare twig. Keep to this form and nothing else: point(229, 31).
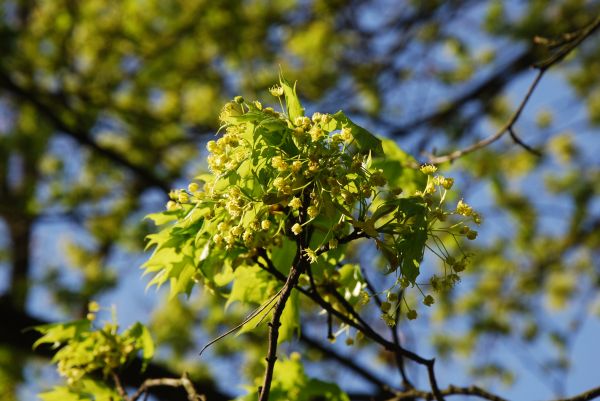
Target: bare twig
point(481, 393)
point(519, 141)
point(356, 234)
point(451, 390)
point(184, 382)
point(508, 126)
point(346, 362)
point(119, 386)
point(493, 138)
point(394, 330)
point(585, 396)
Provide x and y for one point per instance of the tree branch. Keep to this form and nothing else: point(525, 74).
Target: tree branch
point(395, 338)
point(345, 361)
point(481, 393)
point(16, 333)
point(80, 135)
point(451, 390)
point(297, 268)
point(363, 327)
point(184, 382)
point(509, 125)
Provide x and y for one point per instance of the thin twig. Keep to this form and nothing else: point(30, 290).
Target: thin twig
point(346, 362)
point(585, 396)
point(394, 330)
point(356, 234)
point(508, 126)
point(246, 320)
point(184, 382)
point(119, 386)
point(481, 393)
point(451, 390)
point(493, 138)
point(519, 141)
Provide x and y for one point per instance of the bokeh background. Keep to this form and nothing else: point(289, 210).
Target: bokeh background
point(105, 106)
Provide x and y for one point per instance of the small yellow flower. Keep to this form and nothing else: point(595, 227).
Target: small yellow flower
point(311, 255)
point(296, 166)
point(279, 183)
point(448, 182)
point(463, 209)
point(93, 306)
point(212, 147)
point(265, 224)
point(276, 90)
point(193, 187)
point(296, 203)
point(346, 134)
point(296, 229)
point(428, 169)
point(312, 212)
point(183, 197)
point(237, 231)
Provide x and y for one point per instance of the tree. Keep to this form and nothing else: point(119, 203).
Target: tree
point(130, 98)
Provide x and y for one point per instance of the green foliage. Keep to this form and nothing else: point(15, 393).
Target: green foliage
point(83, 390)
point(85, 350)
point(271, 168)
point(291, 383)
point(104, 102)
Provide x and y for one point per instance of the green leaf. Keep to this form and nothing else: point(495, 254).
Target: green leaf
point(251, 284)
point(57, 333)
point(84, 390)
point(292, 103)
point(411, 246)
point(290, 318)
point(144, 341)
point(290, 382)
point(283, 256)
point(365, 141)
point(162, 218)
point(396, 166)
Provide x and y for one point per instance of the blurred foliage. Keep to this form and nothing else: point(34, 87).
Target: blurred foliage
point(105, 106)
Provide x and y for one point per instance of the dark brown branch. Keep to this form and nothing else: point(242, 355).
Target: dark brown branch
point(394, 330)
point(481, 393)
point(484, 91)
point(585, 396)
point(119, 386)
point(345, 362)
point(356, 234)
point(451, 390)
point(298, 266)
point(520, 142)
point(364, 328)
